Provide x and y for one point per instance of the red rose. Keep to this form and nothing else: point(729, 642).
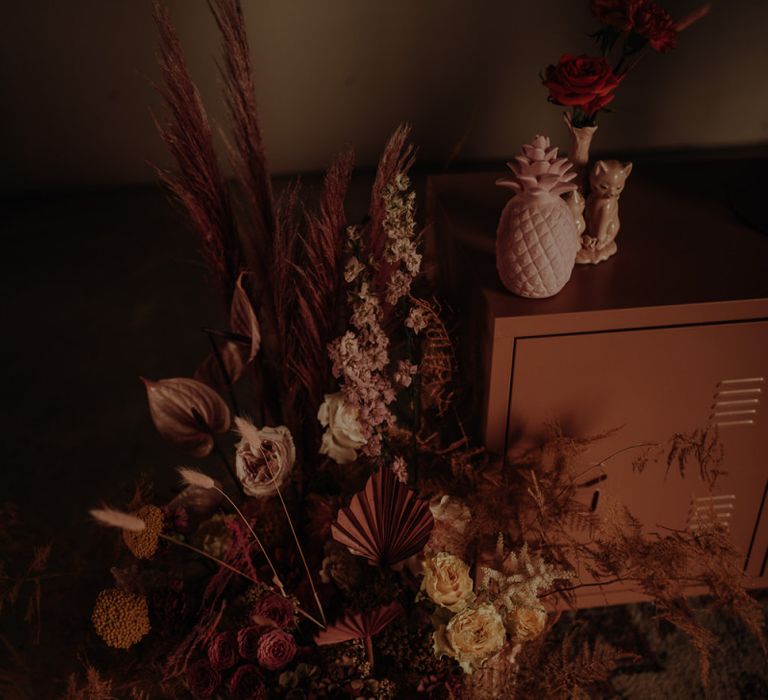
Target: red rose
point(247, 684)
point(276, 649)
point(222, 651)
point(615, 13)
point(655, 24)
point(202, 680)
point(248, 641)
point(275, 608)
point(586, 82)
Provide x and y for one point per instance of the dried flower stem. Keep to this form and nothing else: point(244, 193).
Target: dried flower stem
point(369, 649)
point(224, 373)
point(217, 449)
point(276, 576)
point(601, 462)
point(228, 335)
point(233, 569)
point(296, 539)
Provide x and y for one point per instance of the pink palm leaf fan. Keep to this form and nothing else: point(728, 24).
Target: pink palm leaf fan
point(386, 522)
point(363, 626)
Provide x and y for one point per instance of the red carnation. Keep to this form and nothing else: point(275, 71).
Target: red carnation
point(276, 650)
point(615, 13)
point(222, 651)
point(202, 679)
point(275, 608)
point(247, 684)
point(585, 82)
point(248, 641)
point(655, 24)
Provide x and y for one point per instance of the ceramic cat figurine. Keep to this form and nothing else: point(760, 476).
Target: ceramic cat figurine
point(576, 203)
point(602, 212)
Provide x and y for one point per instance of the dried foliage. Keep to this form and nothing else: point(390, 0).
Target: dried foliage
point(316, 275)
point(438, 362)
point(702, 448)
point(93, 686)
point(198, 185)
point(568, 672)
point(247, 151)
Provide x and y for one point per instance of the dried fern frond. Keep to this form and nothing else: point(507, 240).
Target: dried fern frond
point(702, 448)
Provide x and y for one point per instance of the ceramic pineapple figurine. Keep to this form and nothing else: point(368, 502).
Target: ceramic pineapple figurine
point(537, 238)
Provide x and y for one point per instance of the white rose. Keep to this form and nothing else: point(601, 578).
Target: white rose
point(264, 461)
point(447, 581)
point(471, 636)
point(526, 622)
point(343, 434)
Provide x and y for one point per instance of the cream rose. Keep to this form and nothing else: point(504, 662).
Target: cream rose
point(526, 622)
point(264, 460)
point(343, 434)
point(471, 636)
point(447, 581)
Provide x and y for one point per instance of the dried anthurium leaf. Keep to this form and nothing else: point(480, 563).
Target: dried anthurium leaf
point(242, 318)
point(359, 625)
point(235, 355)
point(386, 522)
point(186, 412)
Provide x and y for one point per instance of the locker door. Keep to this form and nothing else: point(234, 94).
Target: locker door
point(655, 383)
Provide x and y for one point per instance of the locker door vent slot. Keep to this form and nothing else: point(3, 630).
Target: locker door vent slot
point(736, 402)
point(705, 511)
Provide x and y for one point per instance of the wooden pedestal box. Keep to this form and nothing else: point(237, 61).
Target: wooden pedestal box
point(669, 335)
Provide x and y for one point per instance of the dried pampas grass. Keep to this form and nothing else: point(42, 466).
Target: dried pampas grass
point(198, 185)
point(117, 518)
point(192, 477)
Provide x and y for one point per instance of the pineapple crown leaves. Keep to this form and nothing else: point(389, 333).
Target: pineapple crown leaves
point(538, 170)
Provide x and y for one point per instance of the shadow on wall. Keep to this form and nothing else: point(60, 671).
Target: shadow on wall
point(466, 74)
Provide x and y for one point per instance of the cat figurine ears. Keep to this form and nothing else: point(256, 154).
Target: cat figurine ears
point(603, 166)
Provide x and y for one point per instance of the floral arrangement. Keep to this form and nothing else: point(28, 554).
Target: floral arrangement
point(587, 84)
point(354, 542)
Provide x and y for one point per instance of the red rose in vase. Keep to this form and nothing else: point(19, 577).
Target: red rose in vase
point(655, 24)
point(276, 650)
point(202, 679)
point(615, 13)
point(247, 683)
point(583, 82)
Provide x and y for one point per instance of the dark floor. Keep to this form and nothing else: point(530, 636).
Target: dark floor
point(99, 289)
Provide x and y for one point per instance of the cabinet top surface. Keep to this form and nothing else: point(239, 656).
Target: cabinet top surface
point(680, 241)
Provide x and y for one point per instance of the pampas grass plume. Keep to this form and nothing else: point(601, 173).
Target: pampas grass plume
point(248, 430)
point(117, 518)
point(193, 477)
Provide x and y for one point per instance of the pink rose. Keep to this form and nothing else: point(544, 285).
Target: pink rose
point(275, 608)
point(276, 650)
point(222, 651)
point(202, 680)
point(247, 684)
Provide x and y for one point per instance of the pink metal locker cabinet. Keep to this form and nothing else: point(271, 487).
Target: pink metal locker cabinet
point(669, 335)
